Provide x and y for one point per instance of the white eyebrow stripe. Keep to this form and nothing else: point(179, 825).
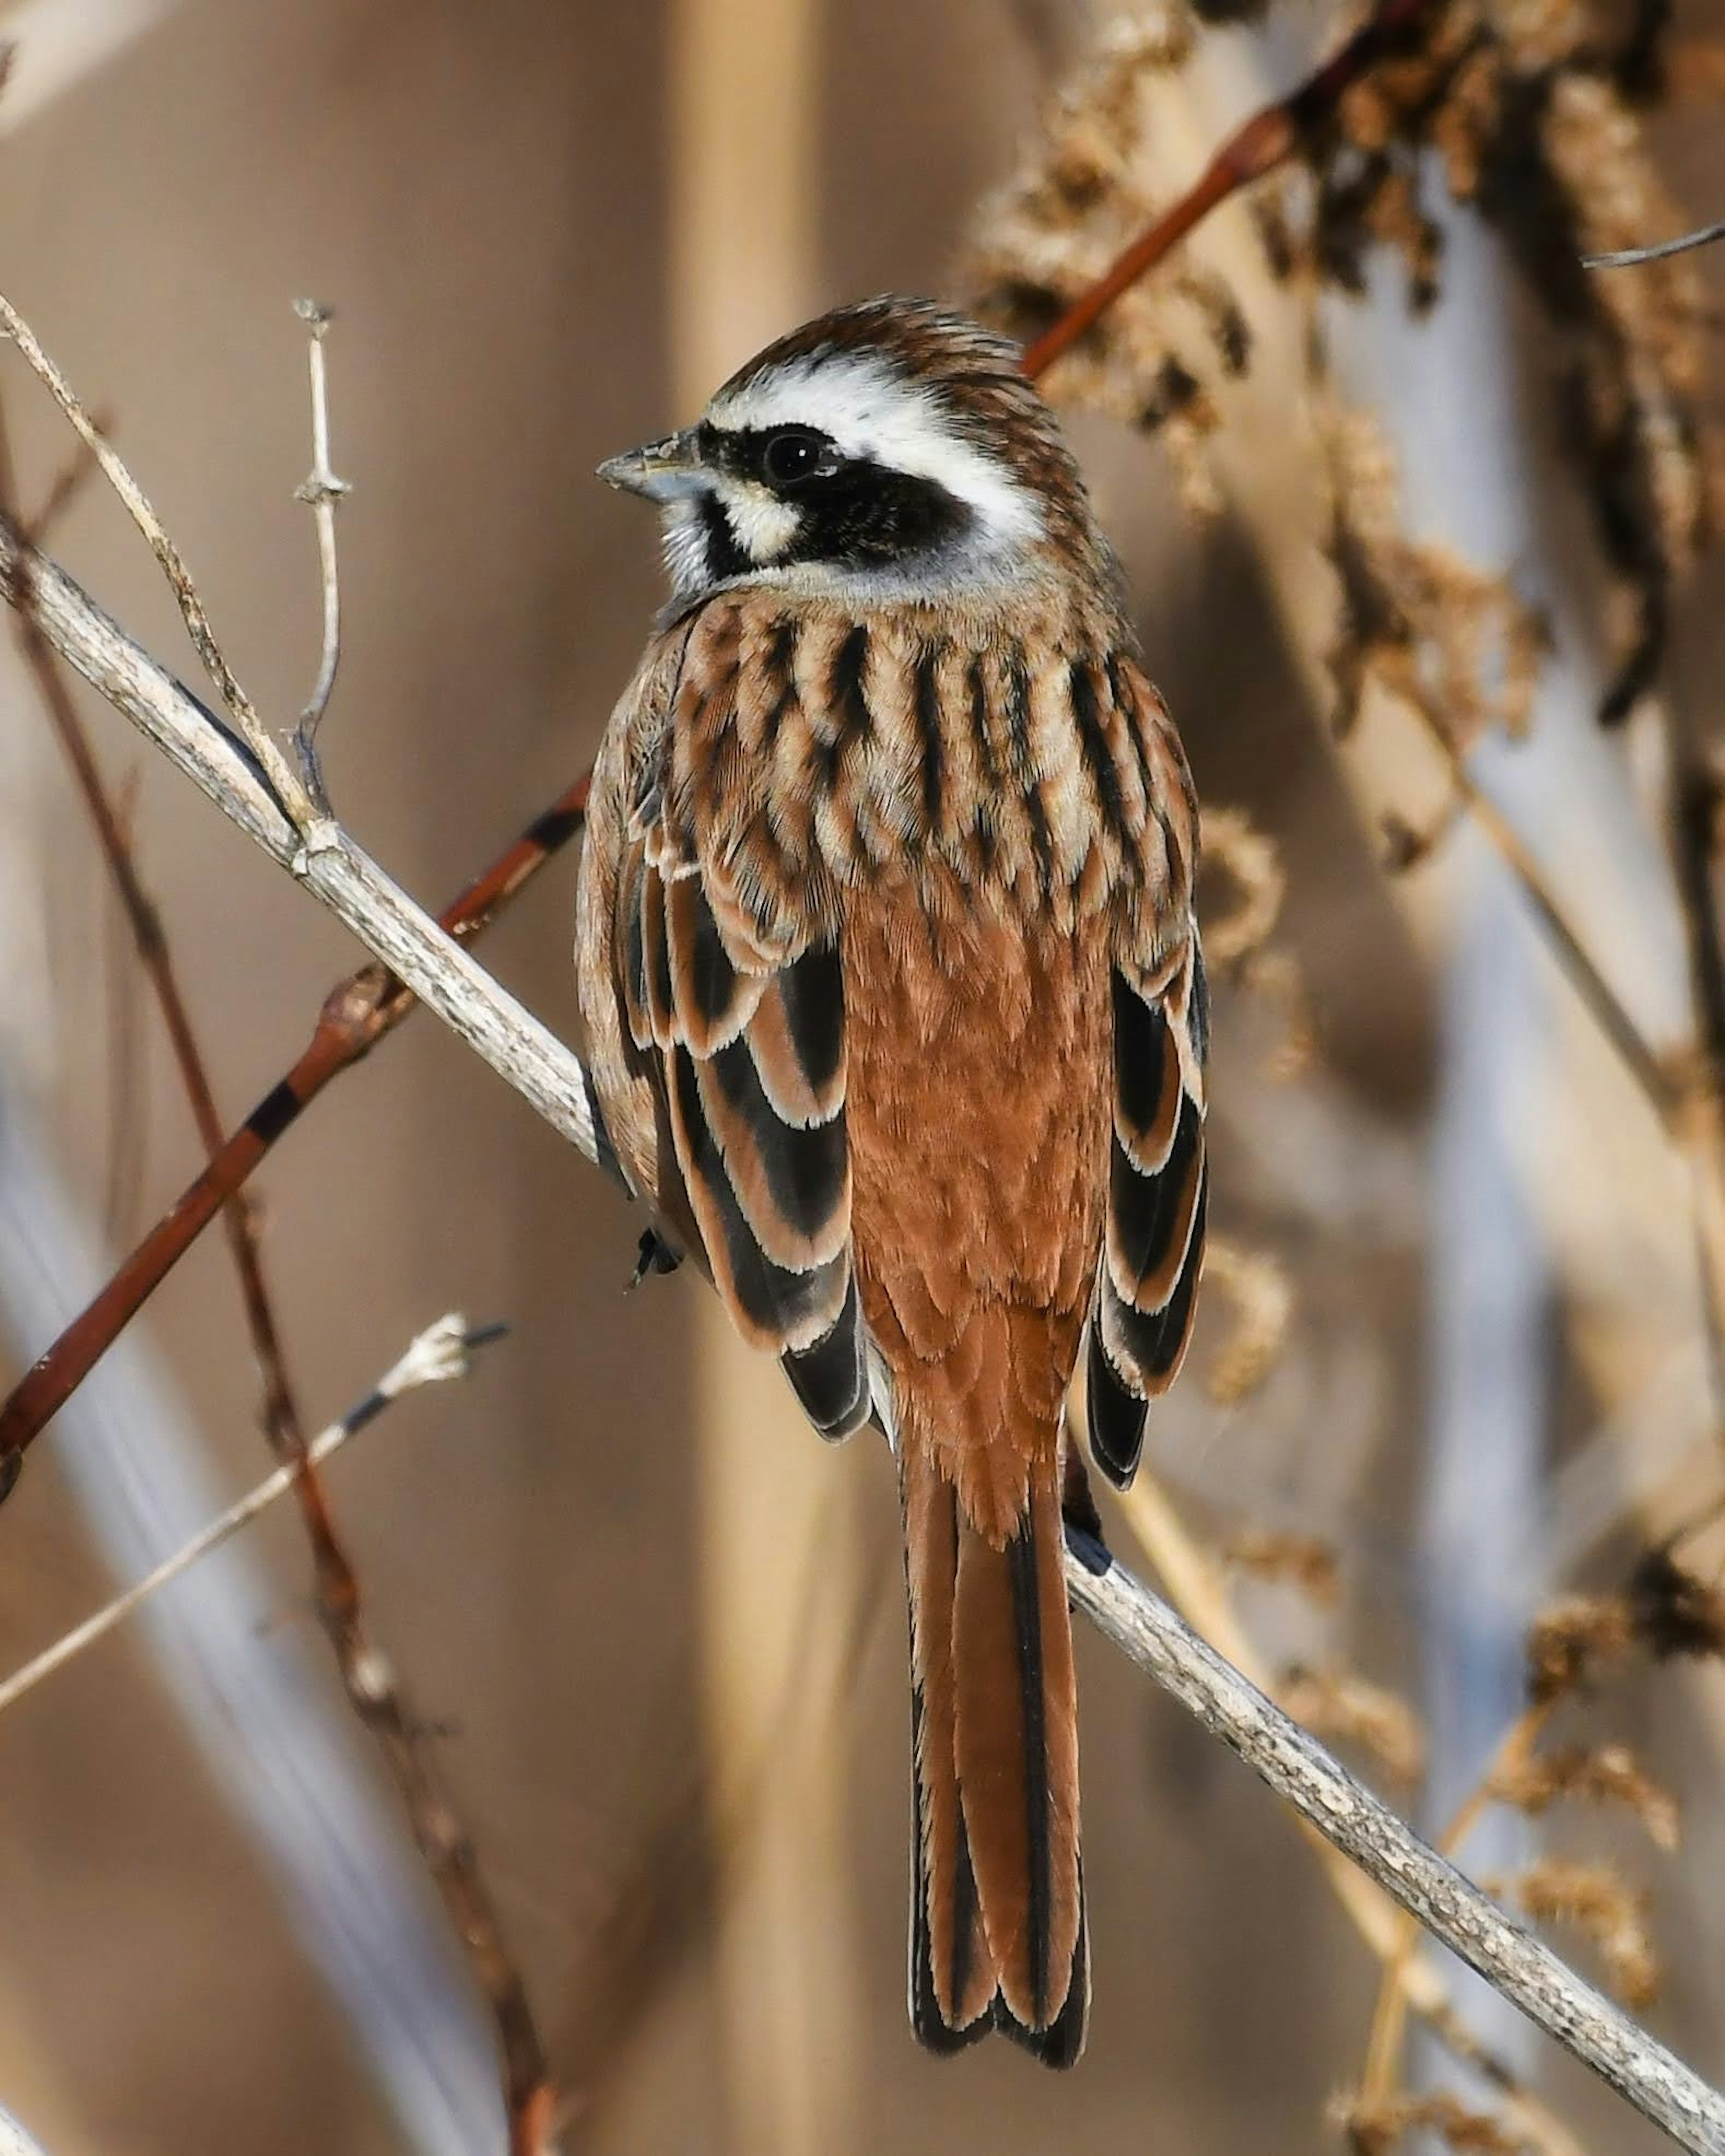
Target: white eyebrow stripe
point(871, 411)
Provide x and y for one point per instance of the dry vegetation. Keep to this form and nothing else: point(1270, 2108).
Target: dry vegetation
point(1535, 115)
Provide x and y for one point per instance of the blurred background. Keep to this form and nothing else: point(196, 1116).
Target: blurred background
point(1453, 1361)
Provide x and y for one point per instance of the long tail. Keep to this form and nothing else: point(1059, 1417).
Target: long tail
point(998, 1932)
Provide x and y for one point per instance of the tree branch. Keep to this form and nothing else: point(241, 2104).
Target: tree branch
point(1346, 1814)
point(552, 1080)
point(1268, 138)
point(337, 872)
point(1627, 258)
point(357, 1012)
point(442, 1351)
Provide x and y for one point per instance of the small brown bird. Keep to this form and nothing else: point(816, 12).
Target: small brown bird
point(897, 1023)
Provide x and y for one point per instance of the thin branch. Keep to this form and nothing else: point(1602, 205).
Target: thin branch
point(1452, 1909)
point(1293, 1763)
point(289, 795)
point(1190, 1578)
point(1693, 802)
point(366, 1673)
point(1268, 138)
point(323, 490)
point(64, 486)
point(338, 873)
point(1384, 2045)
point(356, 1015)
point(1626, 258)
point(156, 956)
point(442, 1351)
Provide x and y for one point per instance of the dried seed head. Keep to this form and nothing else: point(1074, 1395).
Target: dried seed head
point(1571, 1640)
point(1672, 1612)
point(1263, 1303)
point(1301, 1561)
point(1377, 2128)
point(1608, 1774)
point(1609, 1913)
point(1340, 1705)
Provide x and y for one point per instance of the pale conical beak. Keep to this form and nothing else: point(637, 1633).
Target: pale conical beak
point(660, 470)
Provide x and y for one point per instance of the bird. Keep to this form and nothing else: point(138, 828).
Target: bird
point(897, 1023)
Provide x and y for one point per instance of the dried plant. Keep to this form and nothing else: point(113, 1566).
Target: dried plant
point(1608, 1774)
point(1342, 1706)
point(1603, 1905)
point(1377, 2126)
point(1417, 623)
point(1262, 1300)
point(1157, 359)
point(1573, 1640)
point(1304, 1562)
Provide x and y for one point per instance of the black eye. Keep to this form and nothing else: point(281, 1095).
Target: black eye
point(791, 454)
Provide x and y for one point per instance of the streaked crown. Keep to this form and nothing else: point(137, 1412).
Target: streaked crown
point(888, 450)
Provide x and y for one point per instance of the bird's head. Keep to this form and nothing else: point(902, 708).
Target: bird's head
point(889, 450)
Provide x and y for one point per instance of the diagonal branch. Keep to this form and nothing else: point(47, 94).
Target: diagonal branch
point(1346, 1814)
point(552, 1080)
point(1268, 138)
point(356, 1015)
point(442, 1351)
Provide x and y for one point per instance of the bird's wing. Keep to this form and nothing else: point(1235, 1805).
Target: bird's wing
point(1152, 1253)
point(733, 998)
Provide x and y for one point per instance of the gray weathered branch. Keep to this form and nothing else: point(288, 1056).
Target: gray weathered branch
point(1451, 1906)
point(335, 871)
point(522, 1050)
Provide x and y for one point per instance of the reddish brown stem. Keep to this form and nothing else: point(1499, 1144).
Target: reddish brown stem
point(1268, 138)
point(353, 1019)
point(356, 1015)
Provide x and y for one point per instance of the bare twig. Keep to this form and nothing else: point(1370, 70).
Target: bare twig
point(552, 1080)
point(323, 490)
point(366, 1673)
point(64, 486)
point(1602, 1000)
point(1297, 1767)
point(284, 782)
point(1191, 1581)
point(156, 956)
point(1694, 794)
point(357, 1014)
point(1626, 258)
point(337, 873)
point(442, 1351)
point(1268, 138)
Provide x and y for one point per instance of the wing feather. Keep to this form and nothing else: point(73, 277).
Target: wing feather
point(734, 996)
point(1158, 1189)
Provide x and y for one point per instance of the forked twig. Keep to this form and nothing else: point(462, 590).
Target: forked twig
point(283, 781)
point(356, 1015)
point(324, 491)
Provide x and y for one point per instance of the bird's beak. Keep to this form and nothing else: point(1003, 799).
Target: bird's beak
point(660, 470)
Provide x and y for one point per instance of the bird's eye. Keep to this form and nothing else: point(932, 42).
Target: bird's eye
point(792, 455)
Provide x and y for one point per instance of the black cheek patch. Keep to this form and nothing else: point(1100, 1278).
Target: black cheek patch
point(725, 557)
point(866, 516)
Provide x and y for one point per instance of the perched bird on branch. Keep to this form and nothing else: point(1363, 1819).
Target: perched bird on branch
point(897, 1023)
